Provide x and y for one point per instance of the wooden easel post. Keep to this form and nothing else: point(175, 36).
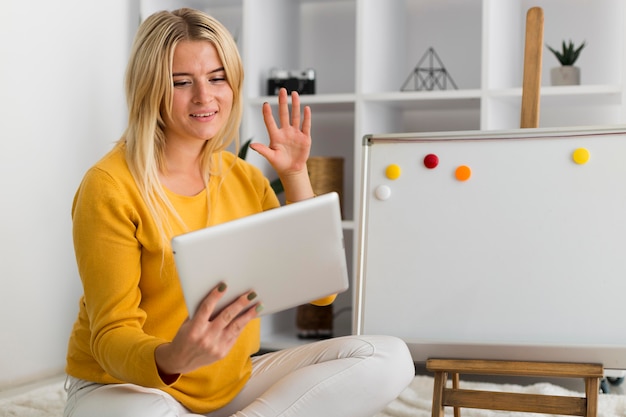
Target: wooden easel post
point(527, 403)
point(533, 53)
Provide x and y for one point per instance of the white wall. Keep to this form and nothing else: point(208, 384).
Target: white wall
point(61, 107)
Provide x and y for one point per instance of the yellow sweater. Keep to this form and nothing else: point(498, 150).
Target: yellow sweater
point(132, 298)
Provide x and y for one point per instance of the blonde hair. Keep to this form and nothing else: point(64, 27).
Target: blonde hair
point(149, 91)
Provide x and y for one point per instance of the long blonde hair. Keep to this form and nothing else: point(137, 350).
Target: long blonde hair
point(149, 91)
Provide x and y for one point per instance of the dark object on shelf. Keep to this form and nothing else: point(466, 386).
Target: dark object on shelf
point(429, 77)
point(314, 322)
point(302, 81)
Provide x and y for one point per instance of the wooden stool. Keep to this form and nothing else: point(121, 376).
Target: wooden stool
point(527, 403)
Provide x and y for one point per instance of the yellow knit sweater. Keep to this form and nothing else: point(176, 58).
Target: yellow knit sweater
point(132, 298)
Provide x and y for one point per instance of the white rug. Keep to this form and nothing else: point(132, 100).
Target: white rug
point(415, 401)
point(44, 401)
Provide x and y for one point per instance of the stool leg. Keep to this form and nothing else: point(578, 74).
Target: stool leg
point(455, 385)
point(439, 386)
point(592, 386)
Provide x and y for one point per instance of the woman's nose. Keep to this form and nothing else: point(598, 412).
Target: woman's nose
point(202, 92)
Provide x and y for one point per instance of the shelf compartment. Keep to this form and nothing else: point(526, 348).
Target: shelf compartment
point(395, 113)
point(504, 38)
point(394, 38)
point(304, 34)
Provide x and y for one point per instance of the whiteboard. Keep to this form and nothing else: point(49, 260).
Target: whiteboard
point(512, 246)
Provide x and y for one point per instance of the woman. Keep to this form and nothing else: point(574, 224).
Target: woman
point(133, 350)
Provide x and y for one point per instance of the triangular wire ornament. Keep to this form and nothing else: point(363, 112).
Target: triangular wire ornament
point(428, 77)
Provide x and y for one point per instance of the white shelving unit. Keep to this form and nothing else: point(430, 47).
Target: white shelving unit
point(364, 50)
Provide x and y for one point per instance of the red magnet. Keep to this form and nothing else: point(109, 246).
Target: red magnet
point(431, 161)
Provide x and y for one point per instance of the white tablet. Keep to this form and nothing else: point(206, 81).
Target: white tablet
point(289, 256)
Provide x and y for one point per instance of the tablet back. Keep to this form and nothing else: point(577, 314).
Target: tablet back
point(289, 256)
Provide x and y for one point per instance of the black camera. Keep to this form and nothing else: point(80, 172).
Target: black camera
point(302, 81)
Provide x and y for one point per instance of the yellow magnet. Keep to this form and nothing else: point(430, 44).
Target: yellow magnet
point(393, 172)
point(581, 156)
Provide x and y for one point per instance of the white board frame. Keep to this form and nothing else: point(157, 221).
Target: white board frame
point(449, 316)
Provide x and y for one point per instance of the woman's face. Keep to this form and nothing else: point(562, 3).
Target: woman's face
point(202, 99)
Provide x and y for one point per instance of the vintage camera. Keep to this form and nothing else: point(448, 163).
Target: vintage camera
point(302, 81)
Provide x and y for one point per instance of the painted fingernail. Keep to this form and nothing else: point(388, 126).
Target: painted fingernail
point(259, 308)
point(251, 296)
point(221, 287)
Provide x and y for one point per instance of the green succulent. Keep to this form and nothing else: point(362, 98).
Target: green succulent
point(569, 54)
point(276, 185)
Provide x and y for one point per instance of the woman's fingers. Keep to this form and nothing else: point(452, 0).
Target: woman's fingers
point(306, 124)
point(206, 311)
point(235, 309)
point(268, 118)
point(286, 120)
point(207, 307)
point(283, 108)
point(295, 109)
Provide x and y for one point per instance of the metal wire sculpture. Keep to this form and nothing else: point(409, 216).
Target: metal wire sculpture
point(429, 77)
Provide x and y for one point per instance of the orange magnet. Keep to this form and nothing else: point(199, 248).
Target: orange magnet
point(463, 173)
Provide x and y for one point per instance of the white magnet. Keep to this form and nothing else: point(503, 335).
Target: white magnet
point(383, 192)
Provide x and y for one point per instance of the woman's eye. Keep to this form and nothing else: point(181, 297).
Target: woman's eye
point(217, 80)
point(181, 83)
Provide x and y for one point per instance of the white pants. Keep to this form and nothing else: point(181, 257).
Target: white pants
point(353, 376)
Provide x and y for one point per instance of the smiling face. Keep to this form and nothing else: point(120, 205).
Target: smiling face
point(202, 98)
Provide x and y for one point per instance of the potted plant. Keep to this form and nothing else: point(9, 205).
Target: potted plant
point(567, 73)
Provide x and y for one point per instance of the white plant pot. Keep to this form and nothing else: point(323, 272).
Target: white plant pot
point(565, 75)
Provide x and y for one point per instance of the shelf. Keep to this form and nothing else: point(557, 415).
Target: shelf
point(320, 102)
point(427, 100)
point(569, 95)
point(457, 99)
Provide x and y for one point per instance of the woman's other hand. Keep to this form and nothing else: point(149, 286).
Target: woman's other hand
point(289, 145)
